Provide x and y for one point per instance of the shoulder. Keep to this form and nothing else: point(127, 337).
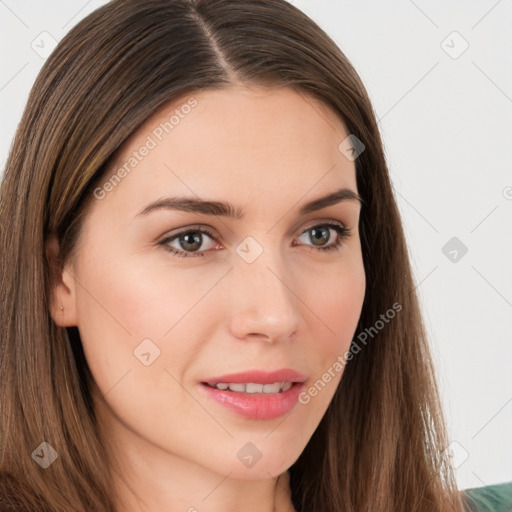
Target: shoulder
point(491, 498)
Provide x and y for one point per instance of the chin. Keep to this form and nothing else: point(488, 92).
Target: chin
point(256, 460)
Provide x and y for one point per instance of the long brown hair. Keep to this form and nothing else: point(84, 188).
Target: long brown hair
point(381, 444)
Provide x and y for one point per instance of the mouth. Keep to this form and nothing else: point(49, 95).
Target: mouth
point(256, 395)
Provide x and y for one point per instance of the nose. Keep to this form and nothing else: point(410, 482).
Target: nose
point(264, 304)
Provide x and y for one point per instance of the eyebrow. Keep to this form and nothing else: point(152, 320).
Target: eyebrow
point(225, 209)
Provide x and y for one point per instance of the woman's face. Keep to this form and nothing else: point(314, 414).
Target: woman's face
point(160, 314)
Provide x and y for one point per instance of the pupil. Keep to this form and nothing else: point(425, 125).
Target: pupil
point(191, 239)
point(320, 235)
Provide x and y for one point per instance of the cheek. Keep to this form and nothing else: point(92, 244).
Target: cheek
point(144, 322)
point(127, 311)
point(140, 332)
point(143, 300)
point(338, 302)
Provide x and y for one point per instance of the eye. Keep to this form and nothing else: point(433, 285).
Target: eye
point(189, 242)
point(321, 234)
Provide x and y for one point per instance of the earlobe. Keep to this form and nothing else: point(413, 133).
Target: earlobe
point(62, 304)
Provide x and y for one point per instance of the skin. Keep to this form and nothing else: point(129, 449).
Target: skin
point(267, 152)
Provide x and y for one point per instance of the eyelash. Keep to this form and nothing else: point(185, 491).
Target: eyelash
point(343, 234)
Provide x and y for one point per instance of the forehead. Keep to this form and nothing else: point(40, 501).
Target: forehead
point(248, 142)
point(239, 118)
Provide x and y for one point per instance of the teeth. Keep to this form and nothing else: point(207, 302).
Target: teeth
point(287, 386)
point(269, 388)
point(237, 387)
point(250, 387)
point(256, 388)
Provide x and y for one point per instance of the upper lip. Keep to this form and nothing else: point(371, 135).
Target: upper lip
point(258, 377)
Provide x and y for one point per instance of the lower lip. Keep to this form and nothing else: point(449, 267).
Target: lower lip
point(257, 406)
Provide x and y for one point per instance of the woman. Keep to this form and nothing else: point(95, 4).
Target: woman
point(284, 365)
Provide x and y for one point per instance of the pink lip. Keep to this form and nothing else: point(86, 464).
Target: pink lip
point(257, 406)
point(258, 377)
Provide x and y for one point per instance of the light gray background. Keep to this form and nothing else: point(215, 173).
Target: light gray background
point(446, 120)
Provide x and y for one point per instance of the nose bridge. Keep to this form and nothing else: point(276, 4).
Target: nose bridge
point(264, 302)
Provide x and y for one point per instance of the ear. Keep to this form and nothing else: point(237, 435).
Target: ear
point(62, 287)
